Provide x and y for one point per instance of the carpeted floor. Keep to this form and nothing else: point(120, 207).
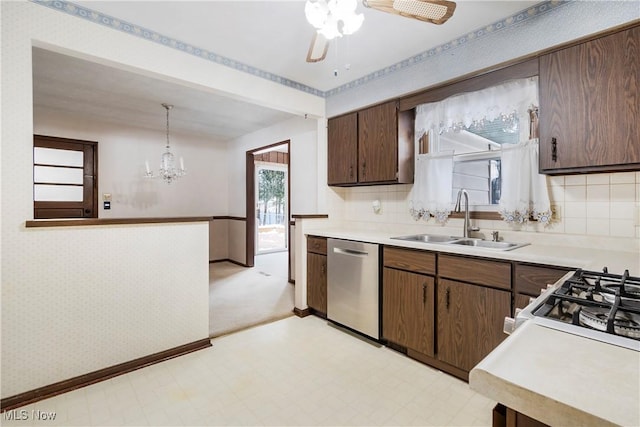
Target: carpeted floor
point(241, 297)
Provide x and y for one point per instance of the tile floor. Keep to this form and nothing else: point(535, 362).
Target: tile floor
point(290, 372)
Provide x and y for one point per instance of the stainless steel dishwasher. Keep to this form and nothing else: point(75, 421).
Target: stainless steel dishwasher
point(353, 296)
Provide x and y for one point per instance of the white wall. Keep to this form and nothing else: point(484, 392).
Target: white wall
point(301, 133)
point(57, 283)
point(122, 151)
point(302, 136)
point(123, 296)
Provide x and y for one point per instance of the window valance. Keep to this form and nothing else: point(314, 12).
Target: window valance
point(510, 99)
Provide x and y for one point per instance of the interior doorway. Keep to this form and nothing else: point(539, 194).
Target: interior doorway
point(272, 207)
point(274, 157)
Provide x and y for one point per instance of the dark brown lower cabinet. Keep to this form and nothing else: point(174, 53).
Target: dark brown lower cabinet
point(531, 279)
point(507, 417)
point(470, 320)
point(317, 282)
point(408, 303)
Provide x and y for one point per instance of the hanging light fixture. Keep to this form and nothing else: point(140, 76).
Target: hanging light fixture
point(168, 170)
point(333, 18)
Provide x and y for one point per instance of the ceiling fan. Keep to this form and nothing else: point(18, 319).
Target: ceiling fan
point(335, 18)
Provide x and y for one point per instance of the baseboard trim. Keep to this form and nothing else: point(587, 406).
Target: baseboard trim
point(300, 312)
point(456, 372)
point(228, 260)
point(65, 386)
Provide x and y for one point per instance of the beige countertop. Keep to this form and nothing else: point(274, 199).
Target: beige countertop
point(586, 257)
point(562, 379)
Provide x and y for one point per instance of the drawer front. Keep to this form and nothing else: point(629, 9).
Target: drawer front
point(479, 271)
point(317, 245)
point(530, 279)
point(404, 259)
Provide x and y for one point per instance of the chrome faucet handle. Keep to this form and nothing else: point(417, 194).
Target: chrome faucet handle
point(495, 235)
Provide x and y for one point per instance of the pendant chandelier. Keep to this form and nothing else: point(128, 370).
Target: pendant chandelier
point(168, 170)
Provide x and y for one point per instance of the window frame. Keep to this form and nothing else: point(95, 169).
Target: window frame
point(88, 207)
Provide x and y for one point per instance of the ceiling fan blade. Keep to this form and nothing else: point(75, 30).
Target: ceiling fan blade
point(318, 48)
point(434, 11)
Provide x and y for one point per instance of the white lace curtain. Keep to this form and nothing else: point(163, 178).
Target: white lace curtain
point(432, 187)
point(514, 97)
point(524, 191)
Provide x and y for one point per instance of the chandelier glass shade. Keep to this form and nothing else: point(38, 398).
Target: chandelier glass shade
point(333, 18)
point(168, 170)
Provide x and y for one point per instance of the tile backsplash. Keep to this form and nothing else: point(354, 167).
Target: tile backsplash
point(593, 205)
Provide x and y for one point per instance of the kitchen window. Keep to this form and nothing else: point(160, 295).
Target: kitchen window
point(473, 128)
point(64, 178)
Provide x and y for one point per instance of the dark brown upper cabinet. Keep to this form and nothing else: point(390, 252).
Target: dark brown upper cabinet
point(342, 153)
point(590, 106)
point(371, 146)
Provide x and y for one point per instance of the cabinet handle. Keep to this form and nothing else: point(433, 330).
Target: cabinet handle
point(554, 149)
point(424, 293)
point(350, 171)
point(364, 169)
point(323, 268)
point(448, 297)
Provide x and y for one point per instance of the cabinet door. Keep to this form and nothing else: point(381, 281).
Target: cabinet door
point(342, 150)
point(470, 320)
point(317, 282)
point(378, 143)
point(408, 310)
point(589, 105)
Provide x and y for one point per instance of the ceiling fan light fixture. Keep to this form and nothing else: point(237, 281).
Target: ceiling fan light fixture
point(352, 23)
point(333, 18)
point(433, 11)
point(316, 13)
point(419, 8)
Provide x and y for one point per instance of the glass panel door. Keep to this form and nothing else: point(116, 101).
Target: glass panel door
point(271, 208)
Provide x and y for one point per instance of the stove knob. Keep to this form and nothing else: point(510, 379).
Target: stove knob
point(509, 325)
point(518, 311)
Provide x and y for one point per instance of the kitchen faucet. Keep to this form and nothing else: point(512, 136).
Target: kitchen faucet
point(466, 228)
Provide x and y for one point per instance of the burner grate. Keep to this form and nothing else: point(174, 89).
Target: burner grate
point(597, 300)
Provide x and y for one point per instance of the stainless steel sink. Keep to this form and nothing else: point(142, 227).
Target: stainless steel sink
point(488, 244)
point(428, 238)
point(452, 240)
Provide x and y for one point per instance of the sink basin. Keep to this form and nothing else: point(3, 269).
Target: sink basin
point(462, 241)
point(488, 244)
point(428, 238)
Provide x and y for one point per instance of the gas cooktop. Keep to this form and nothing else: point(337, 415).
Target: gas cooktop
point(597, 305)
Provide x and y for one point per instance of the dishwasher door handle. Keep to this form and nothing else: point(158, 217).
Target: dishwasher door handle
point(350, 252)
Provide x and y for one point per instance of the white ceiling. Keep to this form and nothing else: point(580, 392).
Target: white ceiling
point(269, 35)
